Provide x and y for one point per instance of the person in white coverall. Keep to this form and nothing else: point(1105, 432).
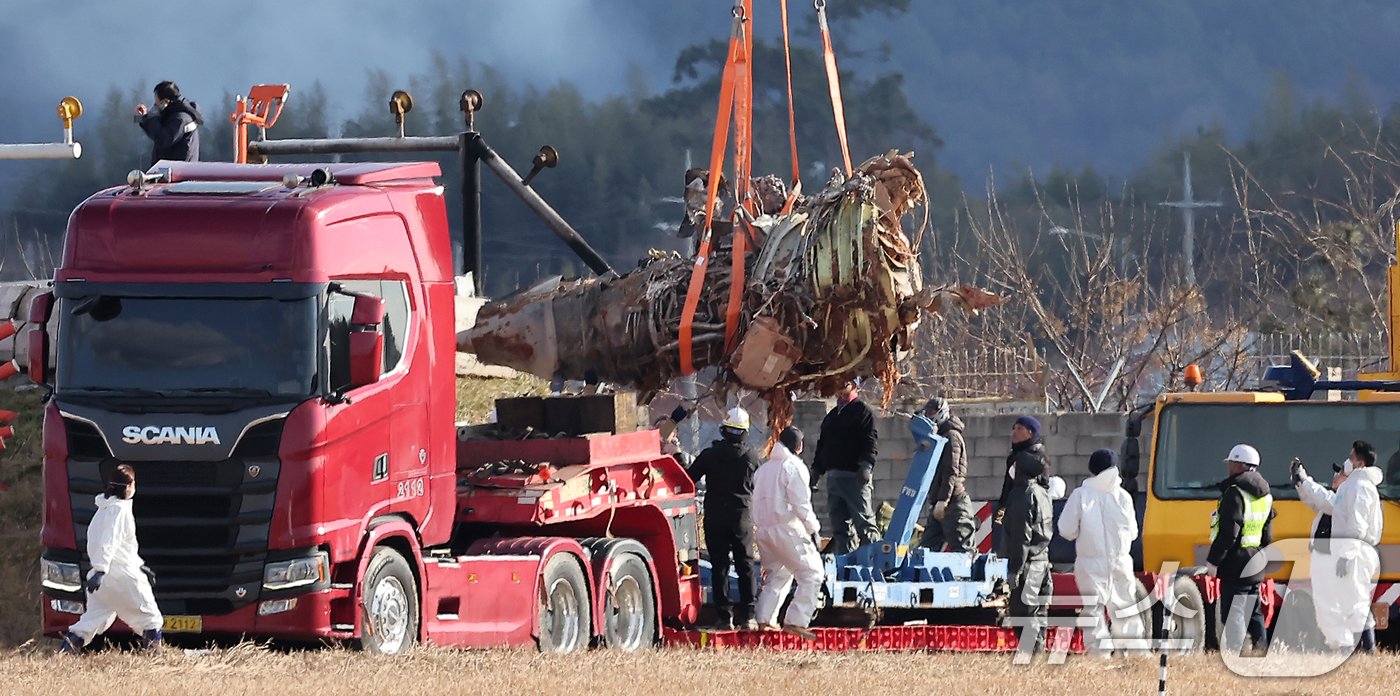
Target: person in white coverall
point(1344, 559)
point(119, 584)
point(787, 537)
point(1099, 518)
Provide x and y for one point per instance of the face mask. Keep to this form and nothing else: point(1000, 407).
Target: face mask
point(1347, 466)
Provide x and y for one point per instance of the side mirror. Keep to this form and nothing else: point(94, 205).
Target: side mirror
point(366, 340)
point(39, 312)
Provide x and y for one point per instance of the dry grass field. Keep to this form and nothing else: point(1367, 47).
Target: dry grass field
point(31, 668)
point(248, 670)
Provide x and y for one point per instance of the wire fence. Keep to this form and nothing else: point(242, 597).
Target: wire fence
point(996, 373)
point(1353, 353)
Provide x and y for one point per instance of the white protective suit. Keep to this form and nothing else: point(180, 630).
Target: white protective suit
point(782, 511)
point(1343, 604)
point(1099, 518)
point(125, 592)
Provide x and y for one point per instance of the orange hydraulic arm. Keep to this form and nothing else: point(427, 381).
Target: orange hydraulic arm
point(256, 110)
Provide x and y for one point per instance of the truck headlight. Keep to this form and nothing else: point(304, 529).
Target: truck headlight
point(60, 577)
point(284, 575)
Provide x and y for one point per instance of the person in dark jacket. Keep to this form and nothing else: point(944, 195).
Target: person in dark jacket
point(173, 125)
point(728, 467)
point(1241, 527)
point(1025, 543)
point(1026, 446)
point(846, 451)
point(951, 519)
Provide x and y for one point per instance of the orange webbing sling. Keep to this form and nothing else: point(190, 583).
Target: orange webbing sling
point(741, 233)
point(796, 187)
point(833, 81)
point(717, 147)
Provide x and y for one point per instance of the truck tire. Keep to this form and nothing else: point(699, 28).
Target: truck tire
point(1215, 626)
point(629, 606)
point(564, 608)
point(1189, 622)
point(389, 604)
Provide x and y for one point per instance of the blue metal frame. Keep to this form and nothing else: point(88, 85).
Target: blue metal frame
point(889, 574)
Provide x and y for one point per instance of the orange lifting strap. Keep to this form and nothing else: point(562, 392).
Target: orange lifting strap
point(833, 81)
point(256, 110)
point(737, 45)
point(792, 113)
point(743, 173)
point(736, 103)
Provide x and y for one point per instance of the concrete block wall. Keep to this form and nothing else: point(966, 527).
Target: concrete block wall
point(1069, 440)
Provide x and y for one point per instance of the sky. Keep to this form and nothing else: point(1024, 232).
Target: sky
point(1003, 81)
point(84, 47)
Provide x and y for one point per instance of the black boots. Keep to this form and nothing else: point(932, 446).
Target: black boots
point(70, 644)
point(152, 639)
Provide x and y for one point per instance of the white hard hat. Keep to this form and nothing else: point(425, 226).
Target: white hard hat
point(737, 418)
point(1244, 454)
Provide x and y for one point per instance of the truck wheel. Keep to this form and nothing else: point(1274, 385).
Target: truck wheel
point(629, 608)
point(564, 606)
point(1215, 626)
point(389, 604)
point(1189, 620)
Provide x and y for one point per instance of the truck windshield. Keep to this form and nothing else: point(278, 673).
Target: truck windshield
point(1195, 438)
point(185, 346)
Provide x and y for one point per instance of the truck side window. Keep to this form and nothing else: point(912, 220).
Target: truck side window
point(338, 308)
point(395, 296)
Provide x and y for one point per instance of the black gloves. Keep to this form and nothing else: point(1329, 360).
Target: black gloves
point(1296, 471)
point(94, 582)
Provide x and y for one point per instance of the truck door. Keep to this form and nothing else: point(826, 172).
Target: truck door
point(398, 471)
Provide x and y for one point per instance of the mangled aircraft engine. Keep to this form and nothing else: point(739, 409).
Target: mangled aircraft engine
point(831, 289)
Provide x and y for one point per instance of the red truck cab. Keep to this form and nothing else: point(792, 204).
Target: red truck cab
point(271, 347)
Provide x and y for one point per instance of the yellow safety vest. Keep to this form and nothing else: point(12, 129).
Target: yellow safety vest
point(1256, 514)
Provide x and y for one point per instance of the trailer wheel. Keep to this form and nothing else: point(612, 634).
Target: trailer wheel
point(389, 604)
point(1189, 620)
point(629, 607)
point(564, 606)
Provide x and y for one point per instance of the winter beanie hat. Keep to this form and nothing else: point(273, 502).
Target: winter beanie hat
point(1029, 423)
point(1102, 459)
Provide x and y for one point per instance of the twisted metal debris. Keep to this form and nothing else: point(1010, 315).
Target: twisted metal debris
point(832, 291)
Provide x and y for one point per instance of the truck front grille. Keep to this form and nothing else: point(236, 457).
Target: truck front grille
point(202, 526)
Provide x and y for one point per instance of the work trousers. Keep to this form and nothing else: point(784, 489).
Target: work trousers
point(1240, 605)
point(852, 518)
point(787, 554)
point(730, 541)
point(123, 595)
point(955, 529)
point(1030, 599)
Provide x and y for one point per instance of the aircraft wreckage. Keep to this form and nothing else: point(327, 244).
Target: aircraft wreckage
point(830, 289)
